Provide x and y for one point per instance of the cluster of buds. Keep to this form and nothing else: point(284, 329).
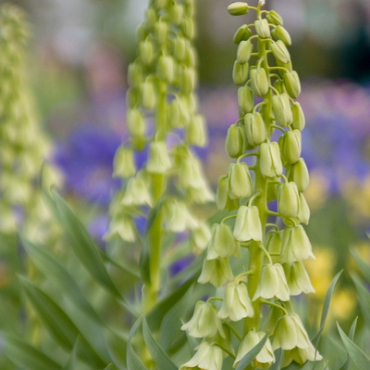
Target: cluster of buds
point(275, 243)
point(162, 117)
point(24, 147)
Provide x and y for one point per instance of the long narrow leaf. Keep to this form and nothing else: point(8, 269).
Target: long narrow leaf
point(248, 358)
point(71, 362)
point(159, 356)
point(278, 359)
point(26, 356)
point(351, 336)
point(362, 265)
point(364, 297)
point(359, 360)
point(109, 367)
point(59, 325)
point(133, 360)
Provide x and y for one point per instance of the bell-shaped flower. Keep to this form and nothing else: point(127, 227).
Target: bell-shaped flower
point(121, 226)
point(158, 158)
point(200, 194)
point(298, 173)
point(195, 132)
point(222, 243)
point(236, 304)
point(282, 110)
point(135, 123)
point(270, 160)
point(301, 356)
point(298, 279)
point(255, 128)
point(123, 163)
point(248, 224)
point(288, 200)
point(259, 81)
point(265, 357)
point(289, 333)
point(204, 322)
point(200, 235)
point(274, 243)
point(304, 210)
point(223, 201)
point(207, 357)
point(136, 192)
point(176, 216)
point(190, 172)
point(291, 146)
point(296, 245)
point(240, 181)
point(235, 143)
point(216, 272)
point(272, 283)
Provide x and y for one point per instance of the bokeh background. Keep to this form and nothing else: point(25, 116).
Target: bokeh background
point(78, 59)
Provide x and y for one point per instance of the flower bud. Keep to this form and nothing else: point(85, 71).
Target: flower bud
point(299, 174)
point(123, 163)
point(148, 95)
point(282, 110)
point(235, 141)
point(270, 161)
point(207, 357)
point(288, 200)
point(161, 31)
point(195, 132)
point(240, 181)
point(298, 279)
point(236, 304)
point(259, 81)
point(262, 28)
point(292, 84)
point(265, 357)
point(240, 73)
point(158, 159)
point(160, 4)
point(272, 283)
point(245, 49)
point(222, 243)
point(299, 120)
point(238, 8)
point(121, 226)
point(217, 272)
point(132, 98)
point(245, 99)
point(178, 113)
point(134, 75)
point(247, 224)
point(188, 28)
point(180, 49)
point(177, 14)
point(290, 333)
point(280, 51)
point(141, 33)
point(279, 86)
point(255, 129)
point(280, 33)
point(135, 123)
point(150, 18)
point(136, 193)
point(166, 68)
point(304, 210)
point(296, 245)
point(273, 17)
point(290, 146)
point(242, 33)
point(204, 322)
point(223, 200)
point(146, 51)
point(200, 236)
point(188, 80)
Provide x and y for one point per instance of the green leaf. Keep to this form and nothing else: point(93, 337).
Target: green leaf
point(159, 356)
point(248, 358)
point(109, 367)
point(364, 298)
point(86, 250)
point(26, 356)
point(59, 325)
point(71, 362)
point(359, 360)
point(351, 336)
point(133, 361)
point(53, 270)
point(362, 265)
point(171, 323)
point(278, 359)
point(325, 309)
point(156, 315)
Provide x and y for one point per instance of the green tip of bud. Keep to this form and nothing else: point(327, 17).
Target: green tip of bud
point(262, 28)
point(259, 81)
point(240, 73)
point(274, 18)
point(243, 33)
point(255, 128)
point(280, 52)
point(235, 141)
point(292, 84)
point(238, 8)
point(282, 110)
point(245, 50)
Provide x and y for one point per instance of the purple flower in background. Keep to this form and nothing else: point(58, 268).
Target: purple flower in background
point(181, 265)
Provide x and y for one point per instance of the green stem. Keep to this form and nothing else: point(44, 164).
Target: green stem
point(264, 301)
point(234, 331)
